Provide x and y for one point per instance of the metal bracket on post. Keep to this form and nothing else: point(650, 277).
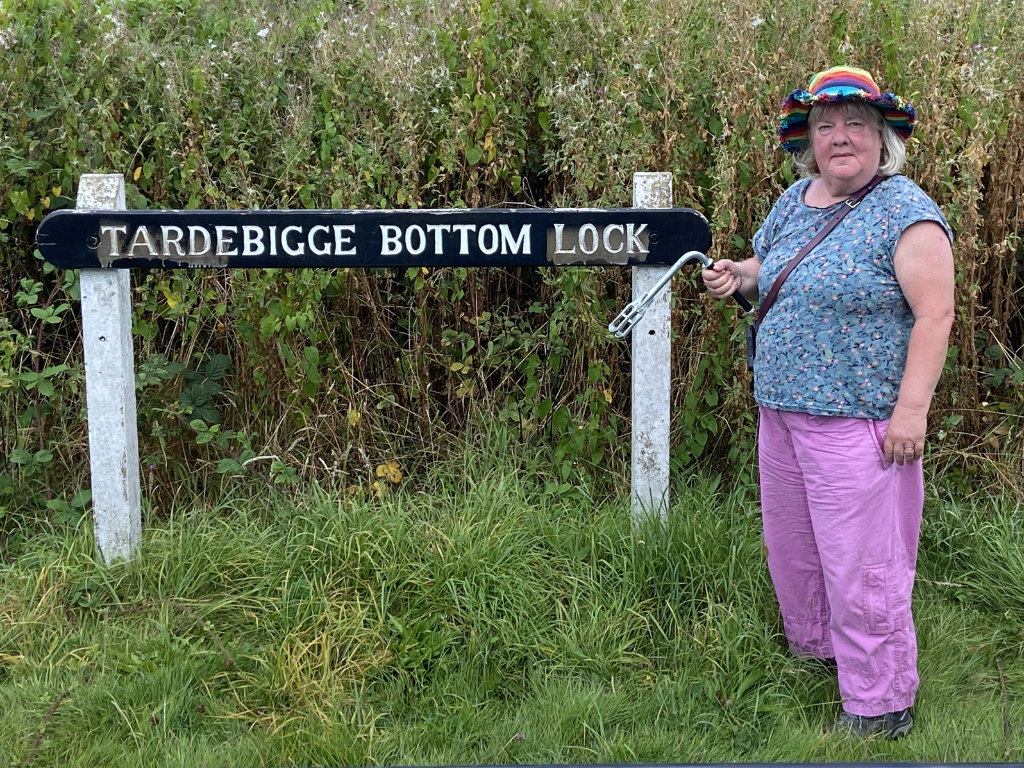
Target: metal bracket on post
point(110, 388)
point(652, 370)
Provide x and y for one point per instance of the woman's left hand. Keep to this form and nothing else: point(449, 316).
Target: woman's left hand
point(904, 438)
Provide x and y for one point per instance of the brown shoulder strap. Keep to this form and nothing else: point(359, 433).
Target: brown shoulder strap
point(848, 205)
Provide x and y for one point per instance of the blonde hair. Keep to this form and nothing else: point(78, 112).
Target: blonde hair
point(894, 153)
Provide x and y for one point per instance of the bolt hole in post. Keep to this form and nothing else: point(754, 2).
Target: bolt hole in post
point(650, 438)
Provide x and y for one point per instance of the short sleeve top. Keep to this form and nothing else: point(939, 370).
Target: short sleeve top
point(835, 341)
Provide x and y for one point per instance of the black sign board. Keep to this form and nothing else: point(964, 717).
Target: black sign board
point(146, 239)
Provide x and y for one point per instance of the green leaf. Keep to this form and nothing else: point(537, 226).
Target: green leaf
point(225, 466)
point(43, 457)
point(787, 172)
point(217, 367)
point(20, 200)
point(474, 154)
point(80, 499)
point(543, 408)
point(196, 401)
point(62, 513)
point(207, 413)
point(156, 369)
point(282, 473)
point(560, 420)
point(20, 456)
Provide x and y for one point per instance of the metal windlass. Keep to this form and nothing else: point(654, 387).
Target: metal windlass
point(622, 325)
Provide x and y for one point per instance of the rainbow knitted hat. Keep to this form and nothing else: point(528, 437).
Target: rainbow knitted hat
point(837, 85)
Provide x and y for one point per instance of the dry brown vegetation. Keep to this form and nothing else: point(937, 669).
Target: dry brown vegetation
point(437, 104)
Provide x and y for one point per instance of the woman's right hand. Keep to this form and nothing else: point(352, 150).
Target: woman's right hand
point(723, 278)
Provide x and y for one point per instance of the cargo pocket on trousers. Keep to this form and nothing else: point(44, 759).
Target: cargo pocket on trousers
point(885, 608)
point(878, 438)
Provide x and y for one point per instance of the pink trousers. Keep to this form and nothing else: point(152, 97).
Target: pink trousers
point(841, 530)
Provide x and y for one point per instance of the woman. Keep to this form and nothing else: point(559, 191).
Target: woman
point(848, 357)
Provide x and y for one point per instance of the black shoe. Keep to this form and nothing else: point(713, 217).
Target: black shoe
point(891, 725)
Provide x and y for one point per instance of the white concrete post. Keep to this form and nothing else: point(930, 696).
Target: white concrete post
point(110, 388)
point(652, 369)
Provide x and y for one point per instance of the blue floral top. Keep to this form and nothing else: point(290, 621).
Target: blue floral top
point(835, 341)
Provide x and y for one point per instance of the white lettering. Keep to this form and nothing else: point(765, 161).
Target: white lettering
point(193, 249)
point(437, 229)
point(115, 244)
point(585, 230)
point(223, 243)
point(523, 241)
point(290, 250)
point(607, 240)
point(491, 231)
point(141, 238)
point(391, 240)
point(558, 240)
point(252, 241)
point(633, 238)
point(165, 236)
point(464, 230)
point(340, 242)
point(418, 230)
point(273, 241)
point(326, 248)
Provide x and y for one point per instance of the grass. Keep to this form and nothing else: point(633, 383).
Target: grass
point(472, 619)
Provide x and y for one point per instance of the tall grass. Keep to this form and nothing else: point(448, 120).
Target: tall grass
point(431, 103)
point(471, 618)
point(504, 611)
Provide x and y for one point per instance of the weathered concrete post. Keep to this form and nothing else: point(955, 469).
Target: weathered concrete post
point(110, 388)
point(652, 369)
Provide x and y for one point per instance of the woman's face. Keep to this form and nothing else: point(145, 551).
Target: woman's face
point(846, 146)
